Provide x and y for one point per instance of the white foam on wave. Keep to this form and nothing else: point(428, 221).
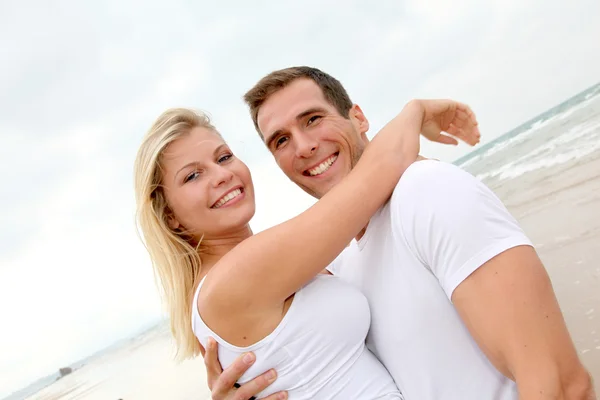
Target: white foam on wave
point(520, 138)
point(589, 98)
point(594, 93)
point(531, 162)
point(470, 161)
point(535, 128)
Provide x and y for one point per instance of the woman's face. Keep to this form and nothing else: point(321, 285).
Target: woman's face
point(209, 190)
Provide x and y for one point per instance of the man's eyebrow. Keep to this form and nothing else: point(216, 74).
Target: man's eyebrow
point(306, 113)
point(269, 139)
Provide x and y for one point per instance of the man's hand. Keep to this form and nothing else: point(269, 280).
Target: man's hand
point(452, 117)
point(222, 383)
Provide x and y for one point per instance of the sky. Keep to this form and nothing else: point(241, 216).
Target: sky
point(81, 82)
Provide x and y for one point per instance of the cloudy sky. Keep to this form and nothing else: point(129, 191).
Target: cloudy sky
point(81, 82)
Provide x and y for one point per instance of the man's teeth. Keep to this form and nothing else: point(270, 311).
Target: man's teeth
point(324, 166)
point(226, 199)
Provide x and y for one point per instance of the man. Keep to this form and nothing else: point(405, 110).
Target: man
point(462, 307)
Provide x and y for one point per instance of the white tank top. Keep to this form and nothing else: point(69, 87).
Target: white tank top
point(318, 348)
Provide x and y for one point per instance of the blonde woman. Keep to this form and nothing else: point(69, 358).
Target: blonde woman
point(264, 293)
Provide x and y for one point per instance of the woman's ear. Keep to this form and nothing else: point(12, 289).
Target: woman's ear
point(172, 221)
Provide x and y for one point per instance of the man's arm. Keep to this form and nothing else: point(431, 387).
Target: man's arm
point(491, 272)
point(509, 307)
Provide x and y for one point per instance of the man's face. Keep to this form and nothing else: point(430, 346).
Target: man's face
point(312, 143)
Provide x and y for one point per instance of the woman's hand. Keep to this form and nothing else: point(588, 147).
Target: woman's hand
point(456, 119)
point(398, 142)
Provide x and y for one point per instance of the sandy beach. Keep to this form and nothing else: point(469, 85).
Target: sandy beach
point(559, 208)
point(142, 369)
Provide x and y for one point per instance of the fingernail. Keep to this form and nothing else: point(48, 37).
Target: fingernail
point(271, 375)
point(249, 358)
point(282, 396)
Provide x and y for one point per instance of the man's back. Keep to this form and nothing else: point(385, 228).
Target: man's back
point(415, 330)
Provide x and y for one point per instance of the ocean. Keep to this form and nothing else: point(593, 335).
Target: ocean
point(567, 132)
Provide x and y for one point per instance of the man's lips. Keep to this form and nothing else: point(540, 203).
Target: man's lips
point(322, 166)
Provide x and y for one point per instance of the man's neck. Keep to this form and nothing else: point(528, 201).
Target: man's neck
point(364, 230)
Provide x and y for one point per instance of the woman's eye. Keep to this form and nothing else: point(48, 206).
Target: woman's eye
point(224, 158)
point(313, 119)
point(191, 176)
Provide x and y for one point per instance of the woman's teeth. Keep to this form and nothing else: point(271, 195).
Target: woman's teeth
point(324, 166)
point(227, 198)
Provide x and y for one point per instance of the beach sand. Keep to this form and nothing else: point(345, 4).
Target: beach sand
point(143, 369)
point(559, 208)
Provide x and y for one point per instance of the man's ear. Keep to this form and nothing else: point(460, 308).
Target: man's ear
point(359, 118)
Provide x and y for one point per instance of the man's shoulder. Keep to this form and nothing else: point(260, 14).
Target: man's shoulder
point(430, 178)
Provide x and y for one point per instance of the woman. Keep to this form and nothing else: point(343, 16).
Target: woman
point(263, 293)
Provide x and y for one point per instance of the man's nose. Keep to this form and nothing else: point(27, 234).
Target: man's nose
point(306, 145)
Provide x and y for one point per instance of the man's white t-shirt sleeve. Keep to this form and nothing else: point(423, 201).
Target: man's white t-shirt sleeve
point(451, 221)
point(334, 267)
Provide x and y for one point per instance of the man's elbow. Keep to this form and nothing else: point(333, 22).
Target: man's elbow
point(579, 386)
point(556, 384)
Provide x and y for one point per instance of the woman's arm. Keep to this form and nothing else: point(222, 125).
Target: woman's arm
point(268, 267)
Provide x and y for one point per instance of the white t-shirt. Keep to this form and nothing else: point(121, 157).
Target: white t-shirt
point(318, 348)
point(439, 226)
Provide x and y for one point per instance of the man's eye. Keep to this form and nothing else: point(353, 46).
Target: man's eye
point(313, 119)
point(224, 158)
point(191, 177)
point(280, 141)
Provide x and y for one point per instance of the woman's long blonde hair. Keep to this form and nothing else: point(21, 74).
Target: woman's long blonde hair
point(175, 258)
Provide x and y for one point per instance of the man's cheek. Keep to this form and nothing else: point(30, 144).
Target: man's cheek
point(287, 165)
point(282, 164)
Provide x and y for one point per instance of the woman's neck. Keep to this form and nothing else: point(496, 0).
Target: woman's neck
point(213, 249)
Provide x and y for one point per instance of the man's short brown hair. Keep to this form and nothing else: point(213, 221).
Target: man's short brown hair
point(332, 89)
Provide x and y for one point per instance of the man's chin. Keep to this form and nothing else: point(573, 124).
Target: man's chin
point(318, 191)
